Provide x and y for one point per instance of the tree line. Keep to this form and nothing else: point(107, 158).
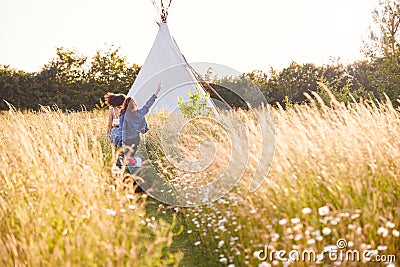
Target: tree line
point(72, 81)
point(69, 81)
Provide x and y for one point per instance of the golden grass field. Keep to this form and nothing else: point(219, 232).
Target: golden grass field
point(335, 175)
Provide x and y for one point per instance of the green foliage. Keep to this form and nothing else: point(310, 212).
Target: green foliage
point(293, 82)
point(385, 77)
point(287, 102)
point(288, 87)
point(109, 70)
point(195, 106)
point(69, 81)
point(383, 50)
point(13, 85)
point(342, 94)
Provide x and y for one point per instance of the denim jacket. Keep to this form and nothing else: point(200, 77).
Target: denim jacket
point(132, 125)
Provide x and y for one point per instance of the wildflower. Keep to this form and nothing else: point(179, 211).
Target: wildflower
point(223, 260)
point(395, 233)
point(295, 220)
point(111, 212)
point(316, 233)
point(197, 243)
point(222, 221)
point(282, 222)
point(257, 253)
point(382, 231)
point(359, 230)
point(220, 243)
point(311, 241)
point(390, 225)
point(296, 247)
point(298, 237)
point(326, 231)
point(274, 237)
point(323, 211)
point(334, 221)
point(297, 227)
point(352, 226)
point(306, 211)
point(382, 248)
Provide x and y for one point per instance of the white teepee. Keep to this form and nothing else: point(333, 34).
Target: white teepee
point(166, 64)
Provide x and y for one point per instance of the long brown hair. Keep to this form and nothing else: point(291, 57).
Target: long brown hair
point(129, 104)
point(114, 100)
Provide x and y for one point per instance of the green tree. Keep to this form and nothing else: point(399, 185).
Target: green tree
point(290, 84)
point(344, 94)
point(61, 81)
point(15, 88)
point(110, 69)
point(110, 72)
point(383, 49)
point(69, 80)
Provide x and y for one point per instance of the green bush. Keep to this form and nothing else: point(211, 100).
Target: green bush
point(196, 106)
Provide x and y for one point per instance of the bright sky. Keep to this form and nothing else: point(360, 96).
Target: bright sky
point(244, 35)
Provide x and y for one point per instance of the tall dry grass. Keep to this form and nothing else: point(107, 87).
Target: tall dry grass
point(60, 205)
point(336, 175)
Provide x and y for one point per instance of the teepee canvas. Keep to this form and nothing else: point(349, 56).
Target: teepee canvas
point(166, 64)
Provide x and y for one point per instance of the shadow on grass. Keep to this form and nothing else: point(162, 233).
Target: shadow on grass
point(185, 233)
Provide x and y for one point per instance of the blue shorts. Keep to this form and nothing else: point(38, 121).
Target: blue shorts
point(116, 136)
